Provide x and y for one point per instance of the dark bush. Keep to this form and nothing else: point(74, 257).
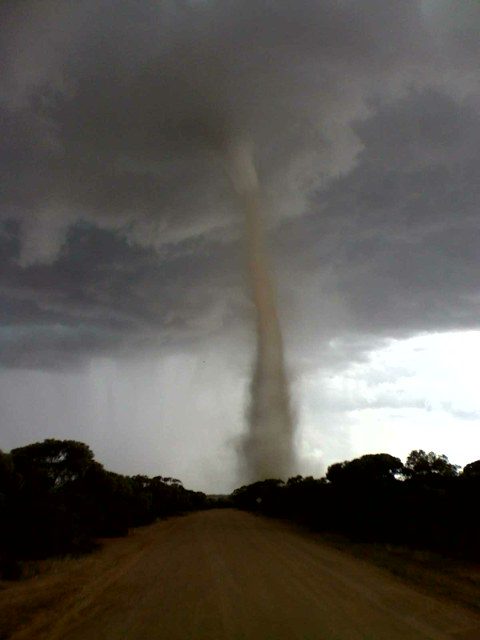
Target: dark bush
point(56, 499)
point(425, 503)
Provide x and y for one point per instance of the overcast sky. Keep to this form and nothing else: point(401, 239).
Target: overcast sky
point(126, 320)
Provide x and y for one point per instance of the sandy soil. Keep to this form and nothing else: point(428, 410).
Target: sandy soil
point(230, 575)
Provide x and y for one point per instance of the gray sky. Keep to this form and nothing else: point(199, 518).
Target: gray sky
point(126, 320)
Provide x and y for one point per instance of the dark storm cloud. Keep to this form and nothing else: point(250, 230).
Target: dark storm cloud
point(103, 296)
point(418, 229)
point(393, 247)
point(120, 226)
point(119, 116)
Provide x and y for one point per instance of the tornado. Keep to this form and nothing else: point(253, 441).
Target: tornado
point(267, 449)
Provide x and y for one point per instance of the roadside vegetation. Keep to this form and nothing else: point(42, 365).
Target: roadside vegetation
point(424, 504)
point(56, 499)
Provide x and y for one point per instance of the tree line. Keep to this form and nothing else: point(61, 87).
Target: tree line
point(425, 503)
point(56, 499)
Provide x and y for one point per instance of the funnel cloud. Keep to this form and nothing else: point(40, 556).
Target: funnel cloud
point(268, 447)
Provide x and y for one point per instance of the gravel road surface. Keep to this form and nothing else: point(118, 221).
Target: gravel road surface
point(225, 574)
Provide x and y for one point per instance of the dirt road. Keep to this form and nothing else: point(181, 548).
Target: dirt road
point(231, 575)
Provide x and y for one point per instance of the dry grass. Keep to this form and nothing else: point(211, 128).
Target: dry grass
point(456, 581)
point(53, 584)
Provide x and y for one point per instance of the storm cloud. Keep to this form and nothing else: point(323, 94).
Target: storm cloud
point(120, 230)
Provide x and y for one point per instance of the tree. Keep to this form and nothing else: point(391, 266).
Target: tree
point(263, 495)
point(472, 470)
point(7, 475)
point(53, 462)
point(337, 473)
point(426, 465)
point(377, 468)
